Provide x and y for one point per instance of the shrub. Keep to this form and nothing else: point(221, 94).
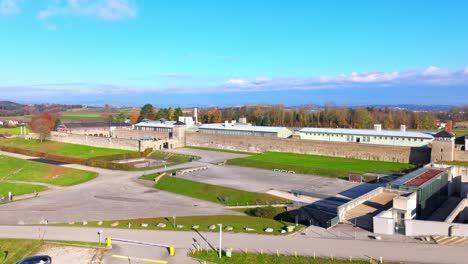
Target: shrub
point(266, 212)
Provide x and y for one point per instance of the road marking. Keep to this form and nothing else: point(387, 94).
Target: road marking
point(140, 259)
point(462, 239)
point(450, 241)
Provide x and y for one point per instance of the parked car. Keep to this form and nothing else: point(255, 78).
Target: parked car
point(36, 260)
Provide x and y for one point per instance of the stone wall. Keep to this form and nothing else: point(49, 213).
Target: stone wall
point(461, 155)
point(103, 142)
point(138, 134)
point(348, 150)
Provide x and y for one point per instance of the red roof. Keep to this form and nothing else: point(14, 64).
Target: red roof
point(423, 178)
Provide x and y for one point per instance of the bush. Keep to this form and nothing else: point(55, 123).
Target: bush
point(266, 212)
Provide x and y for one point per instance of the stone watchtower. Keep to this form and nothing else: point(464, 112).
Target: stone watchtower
point(179, 132)
point(443, 147)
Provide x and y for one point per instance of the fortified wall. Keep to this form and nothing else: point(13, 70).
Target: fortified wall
point(461, 155)
point(138, 134)
point(103, 142)
point(415, 155)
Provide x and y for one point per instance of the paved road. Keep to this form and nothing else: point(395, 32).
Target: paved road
point(390, 251)
point(112, 195)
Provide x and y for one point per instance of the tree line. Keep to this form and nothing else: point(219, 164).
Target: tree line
point(332, 116)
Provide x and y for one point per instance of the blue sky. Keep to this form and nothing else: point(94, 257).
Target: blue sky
point(128, 52)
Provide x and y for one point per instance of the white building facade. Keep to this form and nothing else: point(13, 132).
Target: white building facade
point(375, 136)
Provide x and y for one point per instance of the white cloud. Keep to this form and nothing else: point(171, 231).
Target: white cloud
point(357, 80)
point(9, 7)
point(110, 10)
point(429, 76)
point(238, 83)
point(435, 71)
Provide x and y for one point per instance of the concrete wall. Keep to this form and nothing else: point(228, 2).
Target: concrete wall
point(459, 179)
point(103, 142)
point(458, 211)
point(343, 209)
point(461, 155)
point(349, 150)
point(138, 134)
point(406, 203)
point(383, 223)
point(428, 228)
point(442, 150)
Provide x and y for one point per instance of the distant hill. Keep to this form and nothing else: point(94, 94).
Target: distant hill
point(8, 105)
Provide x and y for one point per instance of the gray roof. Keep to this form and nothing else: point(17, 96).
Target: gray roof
point(155, 124)
point(264, 129)
point(368, 132)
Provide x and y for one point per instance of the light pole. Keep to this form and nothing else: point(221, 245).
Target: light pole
point(220, 239)
point(100, 233)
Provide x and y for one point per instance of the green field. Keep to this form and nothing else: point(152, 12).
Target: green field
point(460, 133)
point(238, 222)
point(221, 150)
point(69, 117)
point(271, 258)
point(318, 165)
point(152, 176)
point(19, 189)
point(11, 131)
point(14, 169)
point(14, 250)
point(214, 193)
point(63, 149)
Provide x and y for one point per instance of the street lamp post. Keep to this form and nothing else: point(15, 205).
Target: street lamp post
point(220, 239)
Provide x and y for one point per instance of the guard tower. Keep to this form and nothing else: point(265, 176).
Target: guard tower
point(443, 147)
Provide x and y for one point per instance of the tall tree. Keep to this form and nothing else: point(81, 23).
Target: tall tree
point(134, 116)
point(42, 125)
point(178, 112)
point(146, 112)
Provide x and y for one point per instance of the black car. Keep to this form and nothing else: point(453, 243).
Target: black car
point(36, 260)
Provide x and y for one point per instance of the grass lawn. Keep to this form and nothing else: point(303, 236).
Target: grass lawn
point(318, 165)
point(14, 250)
point(11, 131)
point(152, 176)
point(460, 133)
point(271, 258)
point(63, 149)
point(455, 162)
point(215, 193)
point(221, 150)
point(238, 222)
point(173, 157)
point(68, 117)
point(30, 171)
point(19, 189)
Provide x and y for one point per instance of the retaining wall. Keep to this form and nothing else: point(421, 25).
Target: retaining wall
point(429, 228)
point(348, 150)
point(103, 142)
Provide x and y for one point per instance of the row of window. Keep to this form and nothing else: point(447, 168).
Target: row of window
point(365, 138)
point(239, 133)
point(156, 129)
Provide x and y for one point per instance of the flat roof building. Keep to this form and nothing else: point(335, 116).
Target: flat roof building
point(431, 186)
point(369, 136)
point(245, 130)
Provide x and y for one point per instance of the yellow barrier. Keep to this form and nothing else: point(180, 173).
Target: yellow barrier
point(171, 251)
point(109, 242)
